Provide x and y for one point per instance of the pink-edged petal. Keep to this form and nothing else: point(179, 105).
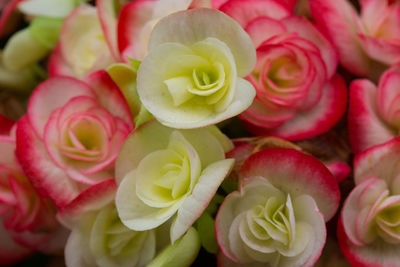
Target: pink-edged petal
point(380, 49)
point(339, 169)
point(206, 187)
point(108, 21)
point(306, 211)
point(5, 125)
point(46, 177)
point(351, 210)
point(51, 94)
point(11, 252)
point(6, 13)
point(132, 19)
point(377, 254)
point(366, 129)
point(307, 30)
point(387, 92)
point(57, 65)
point(110, 96)
point(223, 223)
point(339, 20)
point(319, 119)
point(92, 199)
point(379, 161)
point(263, 28)
point(297, 174)
point(244, 11)
point(373, 12)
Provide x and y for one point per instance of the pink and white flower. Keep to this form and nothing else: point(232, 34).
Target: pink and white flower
point(364, 39)
point(374, 113)
point(72, 134)
point(278, 215)
point(82, 47)
point(27, 220)
point(368, 229)
point(92, 38)
point(298, 94)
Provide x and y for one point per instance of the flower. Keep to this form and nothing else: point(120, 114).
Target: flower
point(365, 40)
point(72, 134)
point(164, 172)
point(82, 48)
point(277, 216)
point(374, 110)
point(137, 20)
point(298, 94)
point(191, 76)
point(368, 229)
point(98, 237)
point(93, 38)
point(28, 221)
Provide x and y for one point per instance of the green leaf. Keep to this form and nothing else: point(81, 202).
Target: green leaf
point(214, 204)
point(229, 185)
point(135, 63)
point(46, 30)
point(182, 253)
point(205, 227)
point(143, 116)
point(125, 77)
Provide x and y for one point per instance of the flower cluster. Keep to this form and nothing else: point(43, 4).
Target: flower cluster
point(129, 144)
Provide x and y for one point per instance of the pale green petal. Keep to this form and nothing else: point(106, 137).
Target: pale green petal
point(134, 213)
point(226, 143)
point(182, 253)
point(195, 25)
point(15, 56)
point(149, 171)
point(179, 88)
point(125, 77)
point(150, 137)
point(203, 192)
point(21, 80)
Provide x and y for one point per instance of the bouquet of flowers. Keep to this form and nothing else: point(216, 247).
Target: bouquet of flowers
point(200, 132)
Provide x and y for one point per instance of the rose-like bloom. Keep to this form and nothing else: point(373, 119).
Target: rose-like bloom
point(364, 41)
point(368, 229)
point(82, 47)
point(164, 172)
point(27, 220)
point(374, 113)
point(277, 217)
point(93, 38)
point(298, 96)
point(72, 134)
point(191, 76)
point(98, 237)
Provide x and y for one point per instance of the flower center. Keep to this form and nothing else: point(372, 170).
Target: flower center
point(273, 221)
point(85, 139)
point(165, 176)
point(388, 223)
